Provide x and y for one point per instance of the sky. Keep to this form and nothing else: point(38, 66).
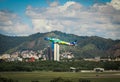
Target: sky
point(80, 17)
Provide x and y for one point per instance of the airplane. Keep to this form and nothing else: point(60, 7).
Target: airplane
point(58, 41)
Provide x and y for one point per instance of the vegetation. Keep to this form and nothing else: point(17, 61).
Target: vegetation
point(59, 79)
point(62, 76)
point(57, 66)
point(3, 79)
point(86, 46)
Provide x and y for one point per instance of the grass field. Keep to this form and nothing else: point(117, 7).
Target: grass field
point(47, 76)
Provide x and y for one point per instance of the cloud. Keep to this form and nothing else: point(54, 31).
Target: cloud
point(11, 24)
point(115, 4)
point(54, 4)
point(72, 17)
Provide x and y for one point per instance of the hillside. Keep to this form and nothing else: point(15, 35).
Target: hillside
point(86, 46)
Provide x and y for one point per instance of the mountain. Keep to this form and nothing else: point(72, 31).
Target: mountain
point(86, 46)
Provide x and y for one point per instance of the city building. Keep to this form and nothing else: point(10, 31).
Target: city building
point(49, 53)
point(56, 52)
